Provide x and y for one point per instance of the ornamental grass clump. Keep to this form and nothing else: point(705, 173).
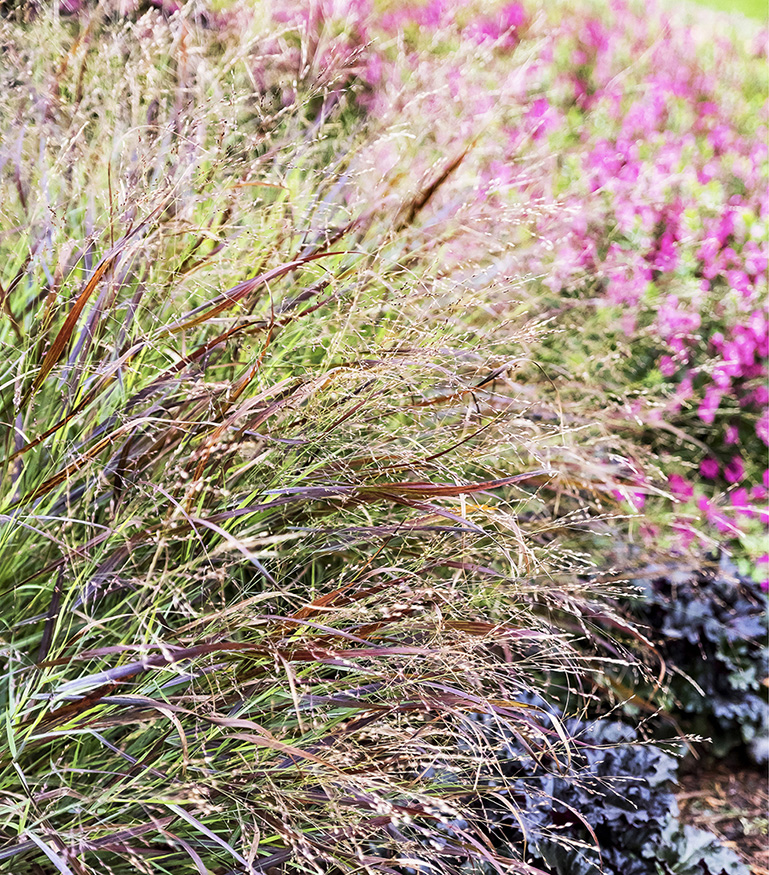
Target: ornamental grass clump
point(273, 520)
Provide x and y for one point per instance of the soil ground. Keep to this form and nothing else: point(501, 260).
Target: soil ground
point(731, 799)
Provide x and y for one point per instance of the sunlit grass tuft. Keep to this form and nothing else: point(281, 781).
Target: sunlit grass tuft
point(274, 519)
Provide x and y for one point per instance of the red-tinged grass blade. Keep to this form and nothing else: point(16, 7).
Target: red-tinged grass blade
point(430, 490)
point(8, 853)
point(174, 655)
point(412, 210)
point(339, 598)
point(404, 492)
point(114, 368)
point(242, 290)
point(104, 382)
point(64, 475)
point(61, 340)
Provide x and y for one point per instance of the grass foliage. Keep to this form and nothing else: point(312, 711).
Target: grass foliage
point(274, 520)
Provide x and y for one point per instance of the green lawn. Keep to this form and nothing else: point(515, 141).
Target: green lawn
point(758, 9)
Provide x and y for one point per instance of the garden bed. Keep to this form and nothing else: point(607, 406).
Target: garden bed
point(383, 436)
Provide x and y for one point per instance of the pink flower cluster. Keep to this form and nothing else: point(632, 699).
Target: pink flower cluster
point(659, 191)
point(632, 149)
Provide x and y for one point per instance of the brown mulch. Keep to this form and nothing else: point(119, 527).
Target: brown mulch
point(730, 799)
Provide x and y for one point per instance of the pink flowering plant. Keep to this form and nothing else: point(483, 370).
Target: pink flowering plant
point(614, 174)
